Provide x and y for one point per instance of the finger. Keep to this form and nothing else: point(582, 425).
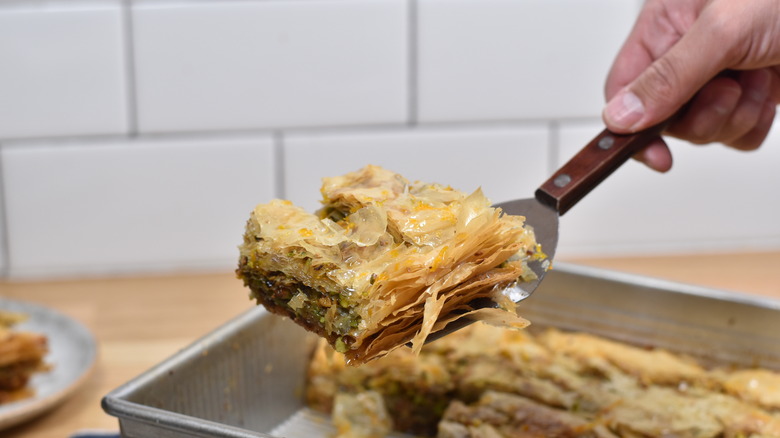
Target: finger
point(654, 33)
point(775, 86)
point(708, 112)
point(755, 137)
point(755, 92)
point(670, 81)
point(656, 156)
point(633, 58)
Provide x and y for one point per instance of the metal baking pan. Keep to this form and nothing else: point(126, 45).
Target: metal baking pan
point(246, 378)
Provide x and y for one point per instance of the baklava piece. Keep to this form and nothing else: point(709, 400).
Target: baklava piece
point(385, 261)
point(488, 382)
point(21, 355)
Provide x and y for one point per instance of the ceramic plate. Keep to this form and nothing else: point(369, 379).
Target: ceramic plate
point(72, 353)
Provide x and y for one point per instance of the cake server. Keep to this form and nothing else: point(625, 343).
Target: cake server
point(587, 169)
point(581, 174)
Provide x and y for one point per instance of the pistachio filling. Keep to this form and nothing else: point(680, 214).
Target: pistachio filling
point(326, 313)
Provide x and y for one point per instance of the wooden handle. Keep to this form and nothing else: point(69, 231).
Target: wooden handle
point(594, 163)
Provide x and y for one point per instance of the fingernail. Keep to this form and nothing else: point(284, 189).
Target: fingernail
point(624, 111)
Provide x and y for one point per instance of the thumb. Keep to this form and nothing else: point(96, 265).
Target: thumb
point(665, 85)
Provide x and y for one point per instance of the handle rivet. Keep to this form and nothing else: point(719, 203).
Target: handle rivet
point(562, 180)
point(606, 142)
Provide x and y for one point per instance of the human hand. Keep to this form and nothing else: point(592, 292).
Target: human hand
point(678, 52)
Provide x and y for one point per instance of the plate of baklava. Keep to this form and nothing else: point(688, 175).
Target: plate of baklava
point(44, 357)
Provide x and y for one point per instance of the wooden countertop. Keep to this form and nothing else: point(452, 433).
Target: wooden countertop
point(138, 322)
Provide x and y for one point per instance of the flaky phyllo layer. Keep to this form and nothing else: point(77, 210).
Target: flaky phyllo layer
point(385, 261)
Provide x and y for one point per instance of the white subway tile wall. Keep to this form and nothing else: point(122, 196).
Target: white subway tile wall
point(3, 246)
point(505, 59)
point(63, 69)
point(247, 65)
point(505, 161)
point(136, 136)
point(111, 207)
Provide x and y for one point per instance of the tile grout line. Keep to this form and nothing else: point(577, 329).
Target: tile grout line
point(413, 59)
point(131, 87)
point(5, 248)
point(280, 191)
point(308, 129)
point(554, 146)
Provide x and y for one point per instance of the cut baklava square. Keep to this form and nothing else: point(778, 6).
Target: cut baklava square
point(385, 261)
